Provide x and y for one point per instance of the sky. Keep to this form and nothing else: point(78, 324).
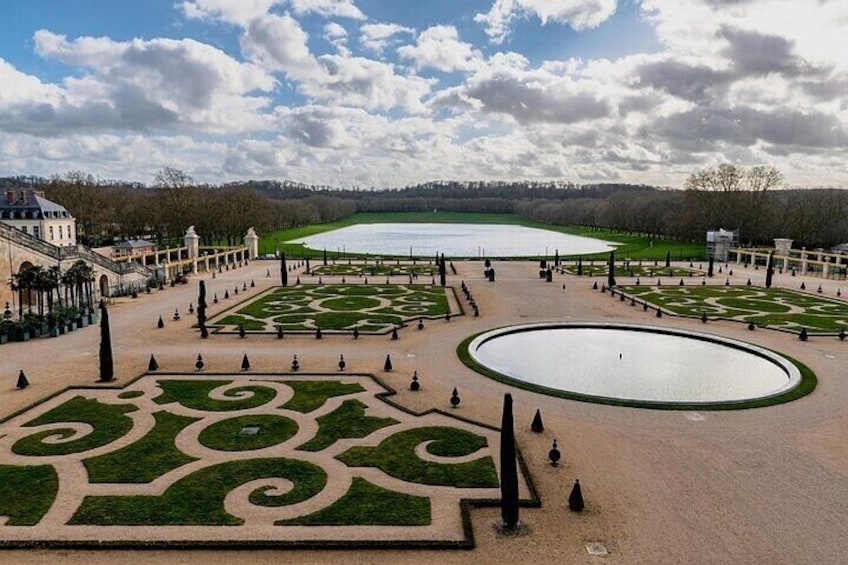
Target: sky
point(387, 93)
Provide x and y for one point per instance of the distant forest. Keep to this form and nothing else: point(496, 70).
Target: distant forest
point(114, 210)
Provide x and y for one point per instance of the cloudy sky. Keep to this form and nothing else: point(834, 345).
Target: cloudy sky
point(391, 92)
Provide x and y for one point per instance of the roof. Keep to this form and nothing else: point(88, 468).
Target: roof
point(26, 204)
point(135, 244)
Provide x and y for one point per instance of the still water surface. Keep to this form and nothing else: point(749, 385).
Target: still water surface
point(634, 365)
point(454, 240)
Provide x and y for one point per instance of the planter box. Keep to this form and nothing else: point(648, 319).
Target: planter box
point(82, 322)
point(4, 338)
point(73, 326)
point(54, 332)
point(62, 329)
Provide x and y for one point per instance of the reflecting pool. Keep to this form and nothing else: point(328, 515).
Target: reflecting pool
point(454, 240)
point(637, 363)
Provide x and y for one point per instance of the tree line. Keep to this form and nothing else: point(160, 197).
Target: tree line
point(727, 196)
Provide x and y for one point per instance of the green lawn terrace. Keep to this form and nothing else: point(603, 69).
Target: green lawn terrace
point(782, 309)
point(230, 461)
point(635, 269)
point(371, 308)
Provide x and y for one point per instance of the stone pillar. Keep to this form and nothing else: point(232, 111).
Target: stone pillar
point(192, 243)
point(251, 241)
point(825, 269)
point(803, 260)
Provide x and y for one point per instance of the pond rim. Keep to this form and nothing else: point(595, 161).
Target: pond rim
point(802, 379)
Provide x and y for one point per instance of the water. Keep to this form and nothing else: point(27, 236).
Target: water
point(454, 240)
point(635, 365)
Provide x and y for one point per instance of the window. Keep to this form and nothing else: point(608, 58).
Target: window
point(52, 236)
point(24, 229)
point(36, 232)
point(60, 232)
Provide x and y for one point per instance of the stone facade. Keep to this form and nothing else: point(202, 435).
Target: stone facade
point(31, 213)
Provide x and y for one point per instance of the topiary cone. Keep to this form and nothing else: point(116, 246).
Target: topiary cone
point(152, 365)
point(537, 425)
point(245, 363)
point(387, 366)
point(23, 382)
point(161, 323)
point(199, 363)
point(575, 499)
point(394, 334)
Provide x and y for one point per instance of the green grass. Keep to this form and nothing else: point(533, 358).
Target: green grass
point(27, 493)
point(366, 504)
point(346, 421)
point(311, 395)
point(633, 246)
point(226, 435)
point(146, 459)
point(198, 499)
point(109, 422)
point(396, 457)
point(806, 386)
point(194, 394)
point(772, 307)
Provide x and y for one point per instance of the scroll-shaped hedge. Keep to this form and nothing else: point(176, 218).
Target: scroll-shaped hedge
point(198, 499)
point(109, 423)
point(396, 457)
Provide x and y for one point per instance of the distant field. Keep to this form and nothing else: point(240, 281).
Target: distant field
point(631, 246)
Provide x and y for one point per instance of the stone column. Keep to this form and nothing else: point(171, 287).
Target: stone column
point(192, 243)
point(803, 260)
point(251, 241)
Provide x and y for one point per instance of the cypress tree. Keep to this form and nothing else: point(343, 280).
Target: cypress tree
point(325, 256)
point(580, 266)
point(668, 259)
point(442, 273)
point(107, 368)
point(611, 275)
point(710, 268)
point(509, 470)
point(284, 273)
point(769, 270)
point(201, 310)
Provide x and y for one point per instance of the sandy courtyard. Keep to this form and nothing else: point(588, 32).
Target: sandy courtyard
point(766, 485)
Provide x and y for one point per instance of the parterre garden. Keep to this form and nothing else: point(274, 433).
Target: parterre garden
point(260, 455)
point(634, 270)
point(305, 308)
point(376, 268)
point(774, 308)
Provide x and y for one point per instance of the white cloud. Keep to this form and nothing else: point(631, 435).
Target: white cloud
point(142, 85)
point(238, 12)
point(375, 37)
point(578, 14)
point(328, 8)
point(439, 47)
point(278, 43)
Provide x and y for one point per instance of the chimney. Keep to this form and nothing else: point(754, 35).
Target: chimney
point(23, 197)
point(10, 197)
